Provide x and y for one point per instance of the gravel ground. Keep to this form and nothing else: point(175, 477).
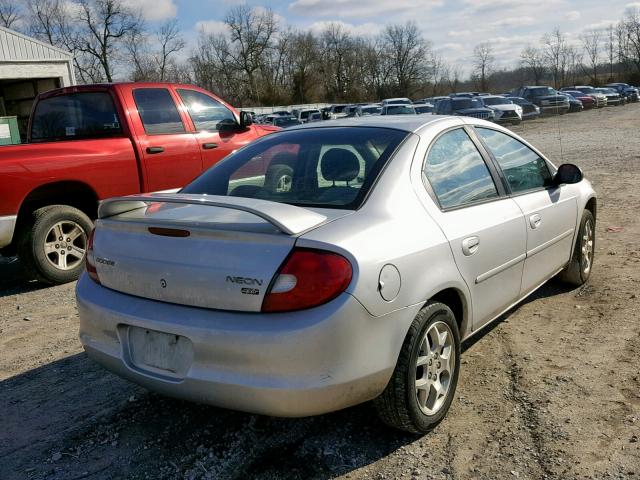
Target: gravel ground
point(550, 391)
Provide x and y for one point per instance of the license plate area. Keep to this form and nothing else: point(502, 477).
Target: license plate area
point(160, 353)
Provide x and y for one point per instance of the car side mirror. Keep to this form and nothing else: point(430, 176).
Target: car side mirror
point(567, 173)
point(245, 120)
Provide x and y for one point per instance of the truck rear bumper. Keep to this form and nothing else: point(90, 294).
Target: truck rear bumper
point(7, 226)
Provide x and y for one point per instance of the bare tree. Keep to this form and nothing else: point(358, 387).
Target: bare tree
point(251, 35)
point(533, 60)
point(137, 45)
point(554, 47)
point(336, 46)
point(105, 25)
point(629, 38)
point(9, 13)
point(483, 63)
point(170, 42)
point(591, 40)
point(407, 52)
point(55, 22)
point(303, 57)
point(611, 50)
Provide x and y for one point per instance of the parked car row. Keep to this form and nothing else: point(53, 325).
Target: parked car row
point(522, 103)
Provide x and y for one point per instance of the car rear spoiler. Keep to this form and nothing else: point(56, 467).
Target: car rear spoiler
point(289, 219)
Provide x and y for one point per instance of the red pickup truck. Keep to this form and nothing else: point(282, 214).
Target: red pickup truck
point(87, 143)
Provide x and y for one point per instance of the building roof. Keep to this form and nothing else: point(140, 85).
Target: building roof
point(17, 47)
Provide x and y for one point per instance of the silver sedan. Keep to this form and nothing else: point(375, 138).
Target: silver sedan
point(332, 264)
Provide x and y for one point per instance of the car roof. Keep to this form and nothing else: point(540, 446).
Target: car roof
point(408, 123)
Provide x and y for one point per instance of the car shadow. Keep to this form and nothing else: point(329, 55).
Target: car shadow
point(13, 279)
point(550, 289)
point(71, 418)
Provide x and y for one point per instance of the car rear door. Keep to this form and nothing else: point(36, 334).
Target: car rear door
point(170, 155)
point(485, 229)
point(550, 211)
point(217, 130)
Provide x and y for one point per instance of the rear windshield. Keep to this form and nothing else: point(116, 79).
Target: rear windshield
point(75, 116)
point(321, 167)
point(542, 91)
point(496, 101)
point(465, 103)
point(285, 121)
point(400, 110)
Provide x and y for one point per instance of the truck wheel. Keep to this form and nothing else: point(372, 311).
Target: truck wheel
point(423, 383)
point(279, 178)
point(579, 268)
point(52, 244)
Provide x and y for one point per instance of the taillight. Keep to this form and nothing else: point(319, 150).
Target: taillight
point(89, 260)
point(307, 278)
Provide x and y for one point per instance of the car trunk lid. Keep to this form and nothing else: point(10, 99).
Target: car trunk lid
point(197, 250)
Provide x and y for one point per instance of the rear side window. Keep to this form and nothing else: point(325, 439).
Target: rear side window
point(322, 167)
point(206, 112)
point(75, 116)
point(457, 172)
point(522, 167)
point(158, 111)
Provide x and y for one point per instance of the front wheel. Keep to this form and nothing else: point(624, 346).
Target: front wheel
point(424, 381)
point(579, 268)
point(52, 243)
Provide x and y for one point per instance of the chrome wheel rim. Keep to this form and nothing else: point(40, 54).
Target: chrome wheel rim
point(434, 368)
point(587, 247)
point(65, 245)
point(284, 184)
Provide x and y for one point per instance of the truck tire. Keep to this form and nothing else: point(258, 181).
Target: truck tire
point(432, 338)
point(279, 178)
point(579, 268)
point(53, 242)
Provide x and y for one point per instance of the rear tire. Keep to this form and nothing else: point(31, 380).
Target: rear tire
point(279, 178)
point(578, 270)
point(411, 401)
point(44, 256)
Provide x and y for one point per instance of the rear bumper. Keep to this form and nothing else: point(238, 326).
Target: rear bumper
point(289, 364)
point(7, 227)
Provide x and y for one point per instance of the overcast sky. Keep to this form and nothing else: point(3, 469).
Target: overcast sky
point(454, 27)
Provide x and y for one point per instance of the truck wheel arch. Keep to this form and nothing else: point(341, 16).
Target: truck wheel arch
point(70, 192)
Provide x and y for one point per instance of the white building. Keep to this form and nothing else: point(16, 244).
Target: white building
point(29, 67)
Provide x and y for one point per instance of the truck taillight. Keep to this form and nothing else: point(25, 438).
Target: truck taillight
point(89, 259)
point(307, 278)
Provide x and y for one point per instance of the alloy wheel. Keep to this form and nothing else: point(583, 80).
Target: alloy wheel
point(587, 247)
point(65, 245)
point(434, 368)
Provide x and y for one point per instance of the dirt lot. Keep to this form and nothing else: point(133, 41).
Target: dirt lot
point(551, 391)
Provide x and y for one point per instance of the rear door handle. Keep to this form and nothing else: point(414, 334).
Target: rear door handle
point(535, 220)
point(470, 245)
point(209, 146)
point(155, 149)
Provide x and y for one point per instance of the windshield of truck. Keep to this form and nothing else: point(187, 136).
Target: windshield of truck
point(75, 116)
point(465, 103)
point(496, 101)
point(543, 91)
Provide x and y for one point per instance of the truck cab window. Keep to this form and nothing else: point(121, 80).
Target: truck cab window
point(158, 111)
point(205, 112)
point(75, 116)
